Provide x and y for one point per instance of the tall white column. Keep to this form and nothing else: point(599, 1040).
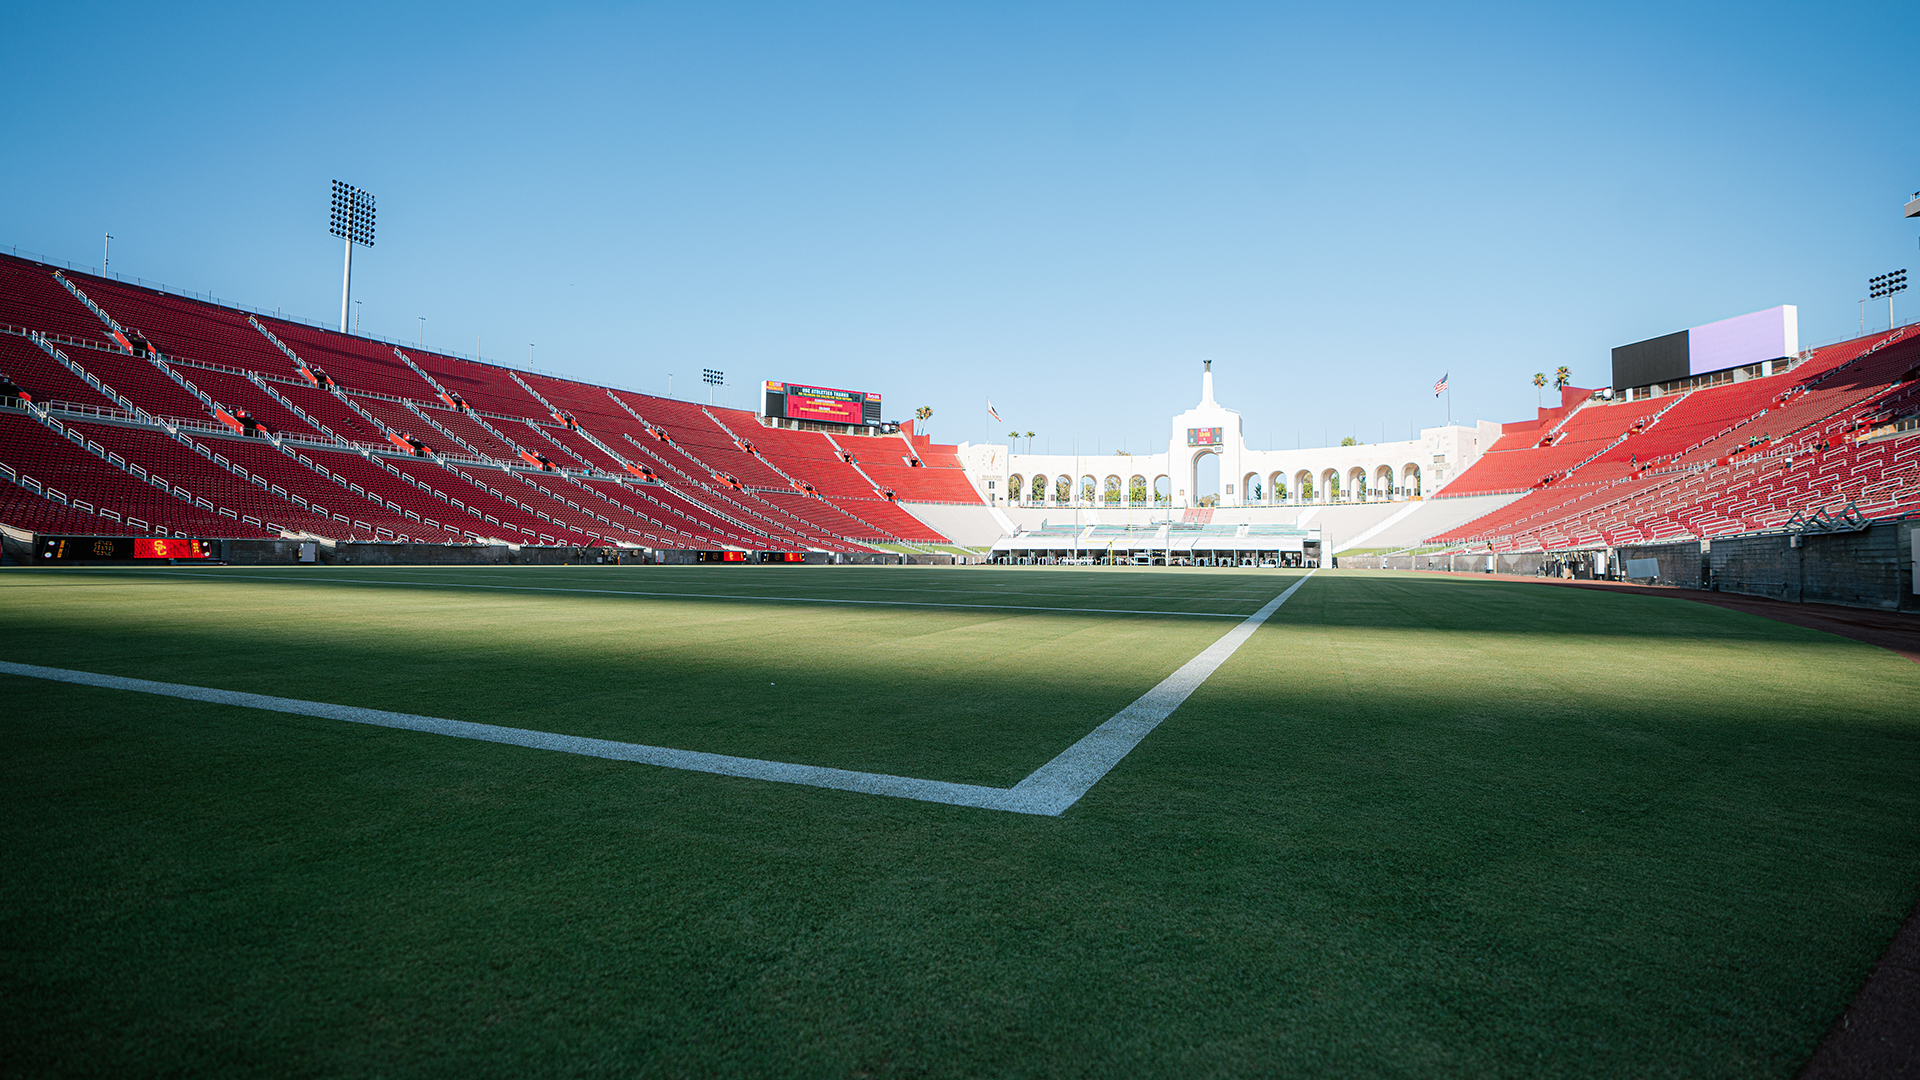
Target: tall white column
point(346, 285)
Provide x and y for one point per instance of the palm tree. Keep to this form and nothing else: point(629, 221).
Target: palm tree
point(921, 414)
point(1029, 442)
point(1539, 380)
point(1562, 378)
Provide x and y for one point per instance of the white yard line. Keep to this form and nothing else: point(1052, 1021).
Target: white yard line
point(1049, 791)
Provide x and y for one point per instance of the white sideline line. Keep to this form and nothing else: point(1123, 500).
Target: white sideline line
point(1048, 791)
point(403, 582)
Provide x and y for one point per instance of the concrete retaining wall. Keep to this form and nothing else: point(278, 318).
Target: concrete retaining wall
point(1454, 564)
point(1872, 568)
point(287, 552)
point(1681, 565)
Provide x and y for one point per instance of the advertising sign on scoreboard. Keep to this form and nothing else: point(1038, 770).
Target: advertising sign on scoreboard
point(1206, 436)
point(70, 548)
point(795, 401)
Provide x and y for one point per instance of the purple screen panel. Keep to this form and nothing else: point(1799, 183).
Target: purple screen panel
point(1742, 340)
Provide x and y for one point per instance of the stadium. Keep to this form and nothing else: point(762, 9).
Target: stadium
point(374, 708)
point(140, 414)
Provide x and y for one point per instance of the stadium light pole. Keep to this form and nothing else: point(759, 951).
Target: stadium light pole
point(712, 378)
point(1886, 285)
point(352, 221)
point(106, 253)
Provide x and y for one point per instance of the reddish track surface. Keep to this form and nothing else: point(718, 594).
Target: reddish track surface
point(1879, 1035)
point(1891, 630)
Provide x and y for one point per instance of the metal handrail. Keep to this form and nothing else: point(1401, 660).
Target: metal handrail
point(88, 409)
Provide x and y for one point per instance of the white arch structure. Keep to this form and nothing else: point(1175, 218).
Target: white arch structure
point(1392, 471)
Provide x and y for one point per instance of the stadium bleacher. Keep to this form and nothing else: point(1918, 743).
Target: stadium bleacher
point(32, 369)
point(353, 363)
point(1736, 458)
point(31, 298)
point(103, 469)
point(233, 391)
point(718, 478)
point(625, 467)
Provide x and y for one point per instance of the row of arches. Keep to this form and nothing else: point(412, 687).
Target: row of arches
point(1358, 484)
point(1041, 489)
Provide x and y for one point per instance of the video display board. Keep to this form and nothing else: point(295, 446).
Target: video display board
point(101, 548)
point(1741, 341)
point(1206, 436)
point(1654, 360)
point(795, 401)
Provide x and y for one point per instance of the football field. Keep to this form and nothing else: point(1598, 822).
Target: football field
point(906, 821)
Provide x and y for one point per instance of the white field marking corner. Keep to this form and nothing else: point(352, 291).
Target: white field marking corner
point(1049, 790)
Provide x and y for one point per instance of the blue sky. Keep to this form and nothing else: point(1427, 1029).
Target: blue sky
point(1062, 207)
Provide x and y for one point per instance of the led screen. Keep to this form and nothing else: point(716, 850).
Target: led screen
point(1655, 360)
point(164, 548)
point(70, 548)
point(1743, 340)
point(1730, 343)
point(819, 403)
point(1205, 436)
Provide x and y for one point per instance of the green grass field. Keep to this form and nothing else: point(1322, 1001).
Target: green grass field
point(1416, 825)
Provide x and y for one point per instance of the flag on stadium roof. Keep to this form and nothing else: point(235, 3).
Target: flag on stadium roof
point(1441, 386)
point(991, 412)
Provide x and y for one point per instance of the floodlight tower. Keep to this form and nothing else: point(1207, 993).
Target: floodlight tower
point(353, 222)
point(712, 378)
point(1886, 285)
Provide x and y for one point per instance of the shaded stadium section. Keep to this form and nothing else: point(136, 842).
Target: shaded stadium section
point(138, 412)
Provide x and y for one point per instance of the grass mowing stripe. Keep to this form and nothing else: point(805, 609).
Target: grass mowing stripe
point(1035, 585)
point(1050, 790)
point(701, 596)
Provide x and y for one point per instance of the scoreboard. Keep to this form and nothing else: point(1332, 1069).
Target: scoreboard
point(103, 548)
point(794, 401)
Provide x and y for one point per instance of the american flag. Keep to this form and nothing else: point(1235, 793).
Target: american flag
point(1441, 386)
